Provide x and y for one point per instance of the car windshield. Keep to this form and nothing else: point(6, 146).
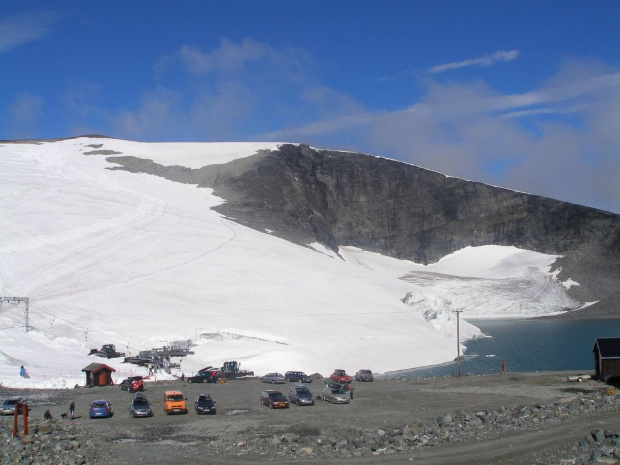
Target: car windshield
point(275, 395)
point(140, 403)
point(337, 391)
point(204, 399)
point(302, 392)
point(174, 397)
point(10, 402)
point(365, 372)
point(99, 404)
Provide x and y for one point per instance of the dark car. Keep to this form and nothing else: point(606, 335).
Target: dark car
point(273, 378)
point(300, 395)
point(273, 399)
point(203, 377)
point(204, 404)
point(364, 375)
point(140, 406)
point(132, 384)
point(297, 377)
point(340, 376)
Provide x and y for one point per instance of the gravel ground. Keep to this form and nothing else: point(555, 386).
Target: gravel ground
point(241, 422)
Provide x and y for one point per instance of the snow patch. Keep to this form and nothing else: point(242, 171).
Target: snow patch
point(570, 283)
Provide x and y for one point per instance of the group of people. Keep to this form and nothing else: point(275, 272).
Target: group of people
point(48, 415)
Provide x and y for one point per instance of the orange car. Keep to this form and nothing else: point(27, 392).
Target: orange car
point(174, 402)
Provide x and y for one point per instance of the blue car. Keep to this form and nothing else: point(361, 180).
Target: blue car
point(204, 404)
point(100, 409)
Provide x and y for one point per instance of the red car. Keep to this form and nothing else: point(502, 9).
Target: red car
point(340, 376)
point(273, 399)
point(132, 384)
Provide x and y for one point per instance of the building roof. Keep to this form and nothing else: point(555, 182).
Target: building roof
point(96, 367)
point(608, 347)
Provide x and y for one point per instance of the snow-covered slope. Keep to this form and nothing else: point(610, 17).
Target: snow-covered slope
point(108, 256)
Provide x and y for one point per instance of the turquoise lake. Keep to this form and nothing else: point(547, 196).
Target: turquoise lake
point(527, 345)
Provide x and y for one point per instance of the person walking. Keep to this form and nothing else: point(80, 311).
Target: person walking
point(72, 410)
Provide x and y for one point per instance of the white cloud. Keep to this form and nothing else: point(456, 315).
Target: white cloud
point(485, 60)
point(559, 140)
point(23, 115)
point(232, 57)
point(228, 57)
point(157, 118)
point(19, 29)
point(238, 89)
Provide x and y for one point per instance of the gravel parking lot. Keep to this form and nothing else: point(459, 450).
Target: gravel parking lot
point(241, 419)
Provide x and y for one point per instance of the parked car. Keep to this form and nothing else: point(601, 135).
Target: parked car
point(132, 384)
point(203, 377)
point(297, 377)
point(300, 395)
point(273, 378)
point(364, 375)
point(8, 406)
point(340, 376)
point(140, 406)
point(100, 409)
point(204, 404)
point(174, 402)
point(273, 399)
point(336, 394)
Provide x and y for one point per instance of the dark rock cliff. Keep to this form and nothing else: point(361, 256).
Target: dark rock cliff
point(335, 198)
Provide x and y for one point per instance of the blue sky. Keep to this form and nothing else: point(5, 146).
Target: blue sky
point(524, 95)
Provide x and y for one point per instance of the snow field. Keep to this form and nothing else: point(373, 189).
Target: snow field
point(108, 256)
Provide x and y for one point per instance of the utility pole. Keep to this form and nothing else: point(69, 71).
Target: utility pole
point(14, 300)
point(458, 343)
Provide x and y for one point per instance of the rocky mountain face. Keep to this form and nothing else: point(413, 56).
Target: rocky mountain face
point(307, 195)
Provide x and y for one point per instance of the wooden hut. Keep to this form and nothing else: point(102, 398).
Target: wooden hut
point(98, 374)
point(606, 358)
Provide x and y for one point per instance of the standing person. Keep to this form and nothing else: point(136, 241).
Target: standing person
point(183, 378)
point(72, 410)
point(348, 387)
point(22, 372)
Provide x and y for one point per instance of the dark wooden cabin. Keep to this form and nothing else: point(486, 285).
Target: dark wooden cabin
point(606, 358)
point(98, 374)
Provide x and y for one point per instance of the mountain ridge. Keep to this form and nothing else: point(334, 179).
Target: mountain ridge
point(307, 195)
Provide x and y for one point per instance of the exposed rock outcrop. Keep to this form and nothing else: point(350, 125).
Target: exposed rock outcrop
point(307, 195)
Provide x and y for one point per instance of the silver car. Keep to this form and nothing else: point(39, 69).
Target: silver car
point(273, 378)
point(336, 394)
point(8, 406)
point(140, 406)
